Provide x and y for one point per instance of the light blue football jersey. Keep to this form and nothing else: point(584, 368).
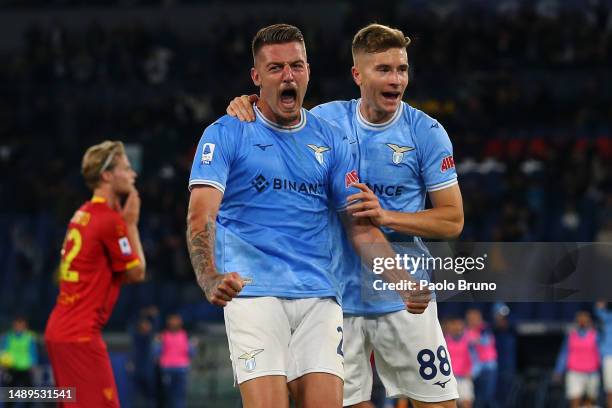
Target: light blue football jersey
point(401, 161)
point(279, 184)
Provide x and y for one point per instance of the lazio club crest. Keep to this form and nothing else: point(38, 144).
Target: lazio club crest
point(249, 359)
point(398, 152)
point(318, 151)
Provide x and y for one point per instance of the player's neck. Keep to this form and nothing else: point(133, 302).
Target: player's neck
point(269, 114)
point(370, 114)
point(109, 197)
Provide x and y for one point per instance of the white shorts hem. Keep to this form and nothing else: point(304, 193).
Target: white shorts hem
point(355, 400)
point(315, 370)
point(422, 398)
point(252, 376)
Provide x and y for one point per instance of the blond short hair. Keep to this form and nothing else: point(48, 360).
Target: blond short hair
point(98, 159)
point(378, 38)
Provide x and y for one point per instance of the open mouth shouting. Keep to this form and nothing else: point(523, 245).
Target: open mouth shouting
point(391, 96)
point(288, 99)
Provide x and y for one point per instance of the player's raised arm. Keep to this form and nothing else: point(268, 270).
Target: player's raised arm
point(204, 204)
point(131, 214)
point(211, 165)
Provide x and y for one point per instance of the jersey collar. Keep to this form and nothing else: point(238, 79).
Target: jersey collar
point(268, 123)
point(378, 126)
point(98, 199)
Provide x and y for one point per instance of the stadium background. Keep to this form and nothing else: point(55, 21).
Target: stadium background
point(521, 86)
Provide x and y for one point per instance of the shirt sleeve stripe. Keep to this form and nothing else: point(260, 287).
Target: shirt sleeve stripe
point(441, 186)
point(212, 183)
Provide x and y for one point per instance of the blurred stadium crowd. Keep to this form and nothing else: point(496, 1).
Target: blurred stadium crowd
point(520, 86)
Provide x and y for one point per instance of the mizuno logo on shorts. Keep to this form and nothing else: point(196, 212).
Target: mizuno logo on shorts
point(441, 384)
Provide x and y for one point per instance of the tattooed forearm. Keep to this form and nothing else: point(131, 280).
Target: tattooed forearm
point(201, 247)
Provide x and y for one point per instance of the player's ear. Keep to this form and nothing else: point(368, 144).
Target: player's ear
point(356, 75)
point(105, 176)
point(255, 77)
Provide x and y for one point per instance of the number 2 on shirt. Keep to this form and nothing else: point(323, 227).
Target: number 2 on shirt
point(65, 273)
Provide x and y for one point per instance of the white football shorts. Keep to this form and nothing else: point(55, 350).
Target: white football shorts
point(410, 354)
point(286, 337)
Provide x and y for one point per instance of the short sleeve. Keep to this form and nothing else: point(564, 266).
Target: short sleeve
point(212, 159)
point(343, 171)
point(436, 154)
point(321, 111)
point(317, 110)
point(118, 246)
